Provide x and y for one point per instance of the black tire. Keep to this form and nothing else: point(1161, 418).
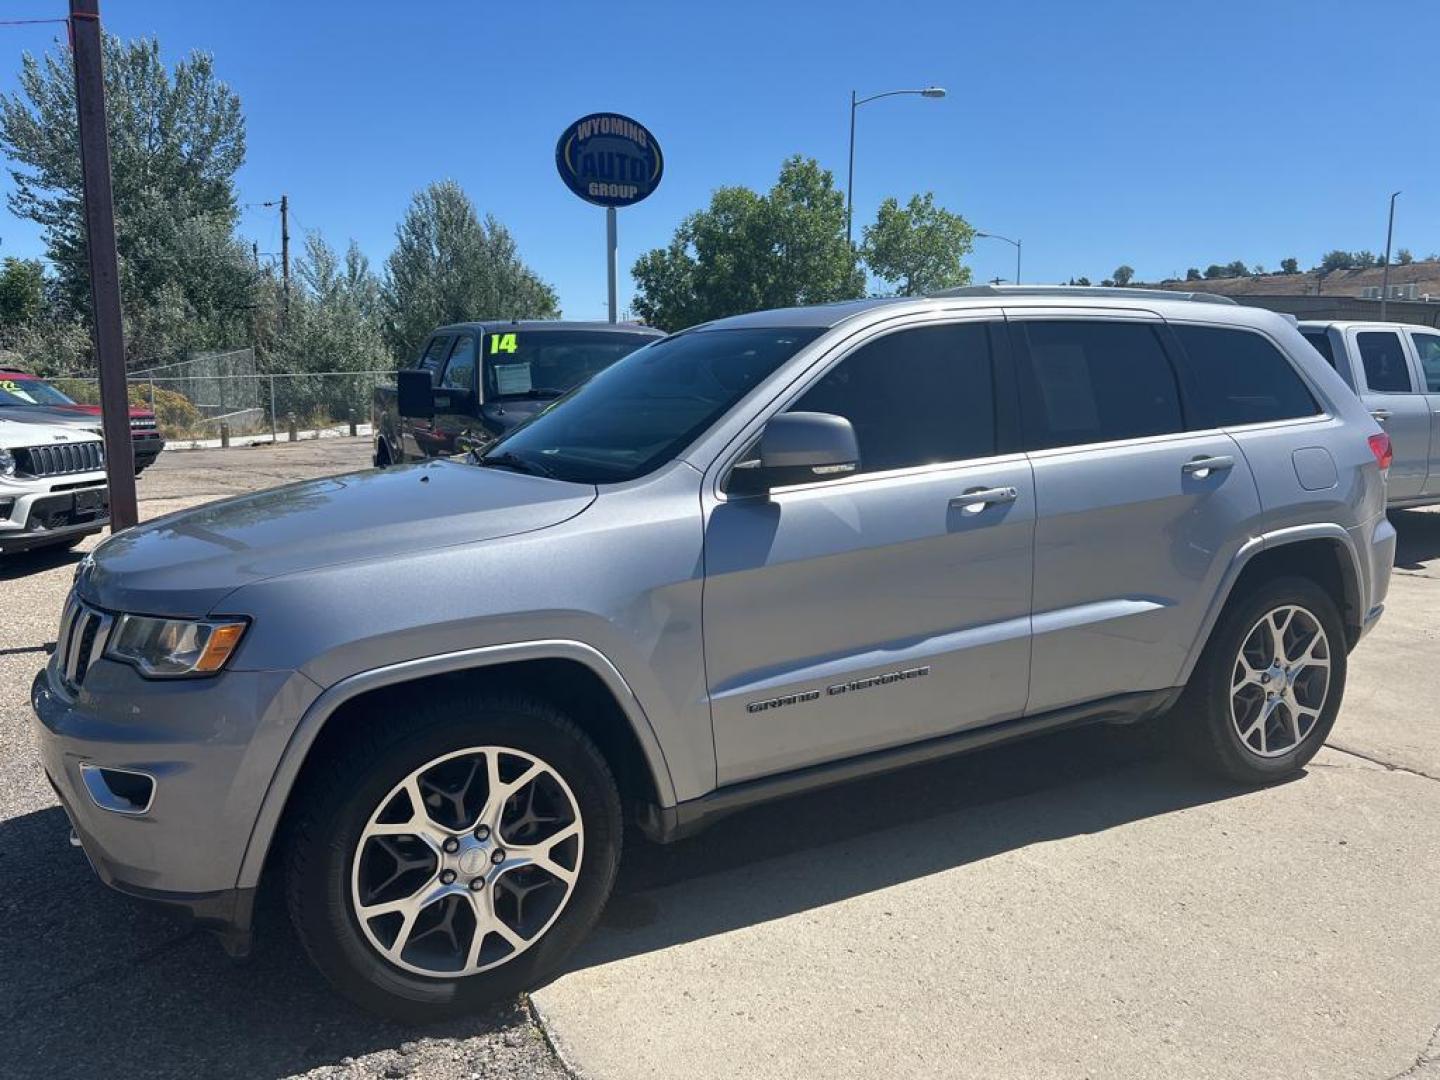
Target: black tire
point(1205, 710)
point(324, 829)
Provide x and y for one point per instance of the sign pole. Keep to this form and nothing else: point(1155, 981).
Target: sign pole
point(610, 255)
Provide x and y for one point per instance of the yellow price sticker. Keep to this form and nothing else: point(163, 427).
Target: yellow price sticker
point(505, 343)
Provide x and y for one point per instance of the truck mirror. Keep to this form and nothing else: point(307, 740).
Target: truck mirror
point(414, 394)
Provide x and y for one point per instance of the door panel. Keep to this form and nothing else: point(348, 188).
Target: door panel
point(1427, 350)
point(816, 590)
point(1129, 547)
point(1393, 398)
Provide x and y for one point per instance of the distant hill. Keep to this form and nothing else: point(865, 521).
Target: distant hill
point(1338, 283)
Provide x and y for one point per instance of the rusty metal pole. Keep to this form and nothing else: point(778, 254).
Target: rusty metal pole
point(109, 334)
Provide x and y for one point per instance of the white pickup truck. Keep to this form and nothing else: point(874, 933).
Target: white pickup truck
point(1395, 368)
point(52, 486)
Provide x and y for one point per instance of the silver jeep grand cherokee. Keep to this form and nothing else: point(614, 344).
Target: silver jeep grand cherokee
point(755, 557)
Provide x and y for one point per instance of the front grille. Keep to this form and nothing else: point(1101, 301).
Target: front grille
point(81, 641)
point(59, 459)
point(142, 425)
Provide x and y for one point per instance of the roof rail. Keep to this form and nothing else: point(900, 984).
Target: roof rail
point(1083, 290)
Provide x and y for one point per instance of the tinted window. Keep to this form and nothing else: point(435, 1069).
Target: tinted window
point(1241, 378)
point(460, 368)
point(1428, 346)
point(548, 363)
point(647, 407)
point(434, 356)
point(914, 397)
point(1094, 381)
point(1321, 340)
point(25, 390)
point(1386, 371)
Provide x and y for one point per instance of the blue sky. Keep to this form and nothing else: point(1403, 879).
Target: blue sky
point(1160, 135)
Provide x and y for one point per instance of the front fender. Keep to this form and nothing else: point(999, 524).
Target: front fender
point(323, 707)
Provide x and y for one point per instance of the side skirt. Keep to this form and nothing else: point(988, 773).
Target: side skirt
point(666, 824)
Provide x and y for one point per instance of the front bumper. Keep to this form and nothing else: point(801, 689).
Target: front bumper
point(211, 746)
point(34, 519)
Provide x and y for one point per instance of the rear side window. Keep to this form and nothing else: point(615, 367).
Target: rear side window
point(1428, 346)
point(1386, 371)
point(1321, 340)
point(1239, 377)
point(914, 397)
point(1094, 381)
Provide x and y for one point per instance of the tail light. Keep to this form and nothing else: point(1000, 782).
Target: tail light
point(1380, 447)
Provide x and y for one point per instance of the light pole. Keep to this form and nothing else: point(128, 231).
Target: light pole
point(1385, 278)
point(855, 103)
point(1014, 243)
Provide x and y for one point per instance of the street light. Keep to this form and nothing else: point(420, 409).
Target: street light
point(855, 103)
point(1385, 278)
point(1015, 243)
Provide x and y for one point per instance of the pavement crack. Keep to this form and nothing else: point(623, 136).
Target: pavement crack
point(1427, 1056)
point(1389, 766)
point(527, 1005)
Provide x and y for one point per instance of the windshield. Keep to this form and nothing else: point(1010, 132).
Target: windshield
point(641, 412)
point(547, 363)
point(29, 392)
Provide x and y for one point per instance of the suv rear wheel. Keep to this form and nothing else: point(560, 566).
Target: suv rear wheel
point(1267, 689)
point(454, 857)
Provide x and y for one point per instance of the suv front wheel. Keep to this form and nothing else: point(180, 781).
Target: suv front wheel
point(1264, 696)
point(453, 855)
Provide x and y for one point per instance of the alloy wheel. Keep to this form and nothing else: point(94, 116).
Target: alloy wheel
point(1280, 681)
point(467, 862)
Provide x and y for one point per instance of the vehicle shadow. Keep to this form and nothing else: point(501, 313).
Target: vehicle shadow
point(24, 563)
point(1417, 541)
point(96, 983)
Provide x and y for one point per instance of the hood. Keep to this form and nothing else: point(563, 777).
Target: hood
point(15, 433)
point(186, 563)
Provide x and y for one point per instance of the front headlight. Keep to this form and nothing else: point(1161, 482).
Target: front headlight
point(7, 462)
point(173, 648)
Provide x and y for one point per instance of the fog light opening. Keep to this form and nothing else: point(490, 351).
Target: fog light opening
point(121, 791)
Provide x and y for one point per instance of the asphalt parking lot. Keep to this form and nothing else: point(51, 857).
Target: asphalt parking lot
point(1078, 905)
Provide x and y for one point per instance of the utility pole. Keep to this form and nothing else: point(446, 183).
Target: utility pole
point(1385, 278)
point(285, 251)
point(109, 335)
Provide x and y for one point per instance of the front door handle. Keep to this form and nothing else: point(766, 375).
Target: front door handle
point(975, 500)
point(1380, 414)
point(1202, 467)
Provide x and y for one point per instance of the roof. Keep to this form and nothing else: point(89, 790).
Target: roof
point(530, 326)
point(1368, 324)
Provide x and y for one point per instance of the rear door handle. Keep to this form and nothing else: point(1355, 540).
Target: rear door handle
point(1380, 414)
point(1201, 467)
point(972, 502)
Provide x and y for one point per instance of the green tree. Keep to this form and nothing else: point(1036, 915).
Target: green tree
point(1336, 260)
point(450, 266)
point(1123, 274)
point(1404, 257)
point(176, 141)
point(919, 247)
point(1083, 282)
point(1193, 274)
point(1365, 260)
point(748, 251)
point(1289, 266)
point(22, 291)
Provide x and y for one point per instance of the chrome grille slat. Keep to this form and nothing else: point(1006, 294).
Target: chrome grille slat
point(59, 459)
point(81, 641)
point(72, 645)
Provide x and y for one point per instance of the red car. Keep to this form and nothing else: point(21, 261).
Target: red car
point(24, 396)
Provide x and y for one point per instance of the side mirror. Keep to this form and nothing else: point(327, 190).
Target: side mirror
point(797, 448)
point(414, 394)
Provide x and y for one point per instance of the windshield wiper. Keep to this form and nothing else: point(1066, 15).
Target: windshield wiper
point(518, 464)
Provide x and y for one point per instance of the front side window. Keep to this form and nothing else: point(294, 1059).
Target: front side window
point(1386, 371)
point(1428, 346)
point(433, 359)
point(914, 397)
point(547, 363)
point(1321, 340)
point(647, 407)
point(1241, 378)
point(460, 368)
point(1090, 381)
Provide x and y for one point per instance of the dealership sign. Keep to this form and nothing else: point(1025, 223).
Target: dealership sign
point(609, 160)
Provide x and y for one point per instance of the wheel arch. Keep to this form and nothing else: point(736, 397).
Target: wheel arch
point(570, 674)
point(1324, 553)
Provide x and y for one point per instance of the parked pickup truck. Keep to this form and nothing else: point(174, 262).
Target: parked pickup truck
point(473, 382)
point(1395, 368)
point(29, 398)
